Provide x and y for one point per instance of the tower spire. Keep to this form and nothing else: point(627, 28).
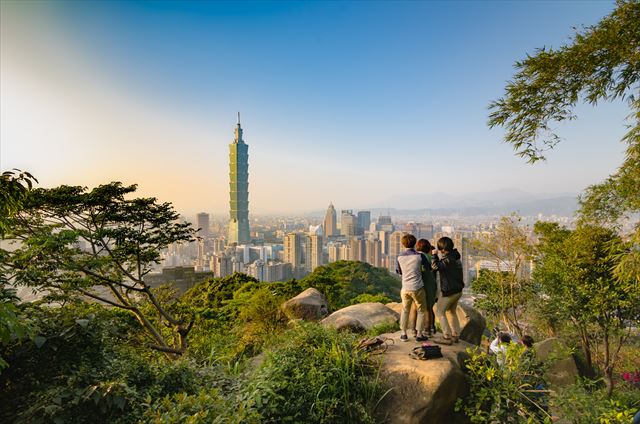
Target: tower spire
point(238, 118)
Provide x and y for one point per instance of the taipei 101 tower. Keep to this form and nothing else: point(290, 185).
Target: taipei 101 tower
point(238, 189)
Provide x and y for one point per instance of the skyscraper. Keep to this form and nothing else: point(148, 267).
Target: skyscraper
point(293, 250)
point(238, 188)
point(314, 255)
point(364, 220)
point(202, 222)
point(330, 227)
point(348, 223)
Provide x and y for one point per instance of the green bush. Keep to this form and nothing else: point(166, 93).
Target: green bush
point(342, 281)
point(205, 407)
point(313, 374)
point(83, 367)
point(586, 402)
point(512, 392)
point(366, 298)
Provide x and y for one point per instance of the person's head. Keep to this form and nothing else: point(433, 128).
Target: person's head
point(423, 245)
point(408, 241)
point(505, 338)
point(445, 244)
point(527, 341)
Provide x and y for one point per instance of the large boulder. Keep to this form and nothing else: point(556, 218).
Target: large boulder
point(395, 306)
point(422, 391)
point(361, 317)
point(562, 370)
point(472, 323)
point(310, 305)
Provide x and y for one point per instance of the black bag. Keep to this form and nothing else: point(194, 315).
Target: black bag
point(425, 352)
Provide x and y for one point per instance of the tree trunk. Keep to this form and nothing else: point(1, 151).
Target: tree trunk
point(608, 369)
point(586, 348)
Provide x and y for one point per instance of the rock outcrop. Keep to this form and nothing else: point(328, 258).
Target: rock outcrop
point(423, 391)
point(361, 317)
point(562, 369)
point(472, 323)
point(310, 305)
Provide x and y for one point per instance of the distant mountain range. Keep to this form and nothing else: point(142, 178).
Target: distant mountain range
point(488, 203)
point(498, 202)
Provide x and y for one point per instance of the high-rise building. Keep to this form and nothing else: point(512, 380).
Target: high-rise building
point(313, 255)
point(384, 241)
point(395, 243)
point(221, 266)
point(330, 222)
point(334, 252)
point(385, 223)
point(239, 188)
point(348, 223)
point(202, 222)
point(218, 245)
point(425, 231)
point(357, 248)
point(364, 220)
point(374, 253)
point(293, 250)
point(345, 252)
point(395, 248)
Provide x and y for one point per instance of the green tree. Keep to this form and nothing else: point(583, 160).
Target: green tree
point(508, 288)
point(98, 244)
point(575, 270)
point(342, 281)
point(509, 392)
point(601, 63)
point(14, 187)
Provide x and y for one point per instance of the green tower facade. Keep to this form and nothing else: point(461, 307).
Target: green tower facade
point(239, 189)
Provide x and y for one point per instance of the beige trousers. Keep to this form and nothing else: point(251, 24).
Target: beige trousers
point(446, 311)
point(419, 297)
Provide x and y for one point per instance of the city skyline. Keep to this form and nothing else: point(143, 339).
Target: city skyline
point(358, 112)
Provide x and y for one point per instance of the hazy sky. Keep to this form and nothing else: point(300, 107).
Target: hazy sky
point(353, 103)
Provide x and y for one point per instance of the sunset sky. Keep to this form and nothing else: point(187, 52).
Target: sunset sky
point(350, 102)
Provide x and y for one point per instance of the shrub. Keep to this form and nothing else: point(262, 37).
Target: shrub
point(313, 374)
point(509, 393)
point(79, 369)
point(586, 402)
point(366, 297)
point(205, 407)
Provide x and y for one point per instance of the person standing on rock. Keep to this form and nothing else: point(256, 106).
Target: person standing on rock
point(429, 279)
point(449, 269)
point(409, 266)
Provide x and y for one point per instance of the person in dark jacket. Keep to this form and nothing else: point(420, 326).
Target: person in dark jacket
point(429, 279)
point(449, 269)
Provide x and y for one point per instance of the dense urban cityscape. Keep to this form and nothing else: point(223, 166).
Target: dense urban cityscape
point(281, 248)
point(360, 212)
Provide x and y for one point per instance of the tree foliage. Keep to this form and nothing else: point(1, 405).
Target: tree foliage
point(14, 187)
point(99, 244)
point(511, 392)
point(602, 63)
point(575, 270)
point(507, 288)
point(342, 281)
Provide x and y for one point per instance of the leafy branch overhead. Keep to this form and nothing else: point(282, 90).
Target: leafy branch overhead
point(99, 244)
point(601, 63)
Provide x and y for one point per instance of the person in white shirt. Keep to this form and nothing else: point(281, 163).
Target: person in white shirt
point(500, 344)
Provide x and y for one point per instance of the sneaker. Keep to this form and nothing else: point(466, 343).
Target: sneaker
point(444, 341)
point(404, 338)
point(422, 338)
